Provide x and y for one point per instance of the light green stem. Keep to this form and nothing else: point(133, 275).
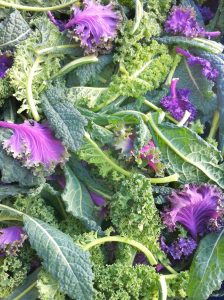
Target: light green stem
point(138, 246)
point(26, 291)
point(124, 240)
point(176, 61)
point(215, 125)
point(55, 49)
point(186, 116)
point(29, 92)
point(158, 109)
point(138, 15)
point(33, 8)
point(172, 178)
point(10, 218)
point(107, 159)
point(75, 64)
point(12, 210)
point(163, 288)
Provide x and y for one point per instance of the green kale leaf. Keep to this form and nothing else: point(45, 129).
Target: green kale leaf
point(13, 30)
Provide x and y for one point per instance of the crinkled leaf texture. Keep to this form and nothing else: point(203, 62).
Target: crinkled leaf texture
point(187, 154)
point(207, 269)
point(202, 95)
point(67, 123)
point(64, 260)
point(13, 30)
point(78, 201)
point(85, 96)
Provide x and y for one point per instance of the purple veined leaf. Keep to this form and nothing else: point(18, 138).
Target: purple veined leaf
point(34, 144)
point(197, 207)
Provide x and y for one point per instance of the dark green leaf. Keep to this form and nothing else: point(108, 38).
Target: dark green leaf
point(207, 269)
point(217, 62)
point(84, 176)
point(12, 171)
point(7, 190)
point(187, 154)
point(78, 201)
point(64, 260)
point(27, 291)
point(13, 30)
point(200, 43)
point(202, 95)
point(64, 119)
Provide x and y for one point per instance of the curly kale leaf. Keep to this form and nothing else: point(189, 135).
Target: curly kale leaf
point(48, 287)
point(134, 214)
point(30, 71)
point(13, 271)
point(5, 90)
point(13, 30)
point(177, 287)
point(36, 207)
point(123, 282)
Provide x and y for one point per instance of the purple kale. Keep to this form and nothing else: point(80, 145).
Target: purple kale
point(95, 25)
point(206, 13)
point(182, 20)
point(152, 156)
point(182, 247)
point(207, 70)
point(177, 103)
point(196, 207)
point(97, 199)
point(6, 61)
point(58, 23)
point(11, 238)
point(35, 144)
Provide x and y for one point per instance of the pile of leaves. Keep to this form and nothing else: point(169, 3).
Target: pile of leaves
point(111, 149)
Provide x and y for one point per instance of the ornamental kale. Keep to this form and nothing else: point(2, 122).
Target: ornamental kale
point(183, 21)
point(177, 103)
point(199, 208)
point(138, 205)
point(34, 144)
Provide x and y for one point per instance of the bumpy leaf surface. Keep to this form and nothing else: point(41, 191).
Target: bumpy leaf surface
point(66, 261)
point(187, 154)
point(13, 30)
point(67, 123)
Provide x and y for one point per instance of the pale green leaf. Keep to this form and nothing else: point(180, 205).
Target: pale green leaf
point(65, 261)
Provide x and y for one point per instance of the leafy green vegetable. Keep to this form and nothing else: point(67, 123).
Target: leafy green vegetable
point(78, 200)
point(48, 288)
point(200, 43)
point(13, 30)
point(12, 172)
point(133, 212)
point(63, 118)
point(188, 154)
point(27, 289)
point(30, 71)
point(124, 282)
point(64, 260)
point(202, 95)
point(207, 269)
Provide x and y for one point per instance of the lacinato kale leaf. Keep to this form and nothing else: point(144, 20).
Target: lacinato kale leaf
point(66, 121)
point(13, 30)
